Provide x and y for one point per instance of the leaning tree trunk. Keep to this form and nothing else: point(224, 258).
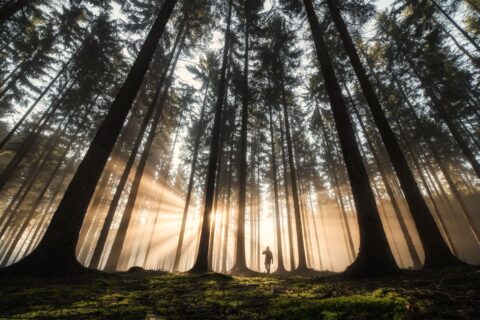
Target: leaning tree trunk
point(55, 254)
point(44, 189)
point(335, 181)
point(439, 108)
point(35, 103)
point(157, 104)
point(102, 240)
point(456, 25)
point(31, 138)
point(417, 264)
point(201, 262)
point(437, 253)
point(375, 257)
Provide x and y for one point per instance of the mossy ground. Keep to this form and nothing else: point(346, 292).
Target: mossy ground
point(449, 294)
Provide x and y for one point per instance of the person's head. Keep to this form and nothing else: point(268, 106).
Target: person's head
point(268, 248)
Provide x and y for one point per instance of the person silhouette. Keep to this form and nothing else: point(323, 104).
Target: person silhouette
point(268, 259)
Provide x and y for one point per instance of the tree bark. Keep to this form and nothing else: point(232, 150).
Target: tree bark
point(157, 104)
point(201, 262)
point(273, 161)
point(375, 257)
point(436, 250)
point(191, 180)
point(100, 245)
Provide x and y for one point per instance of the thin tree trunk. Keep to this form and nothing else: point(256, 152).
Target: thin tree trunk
point(191, 180)
point(201, 262)
point(273, 162)
point(240, 265)
point(30, 109)
point(448, 121)
point(287, 196)
point(42, 192)
point(456, 25)
point(30, 140)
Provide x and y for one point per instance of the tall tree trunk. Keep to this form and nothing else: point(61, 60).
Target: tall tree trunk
point(191, 180)
point(201, 262)
point(100, 245)
point(436, 250)
point(418, 167)
point(55, 254)
point(439, 108)
point(287, 196)
point(34, 171)
point(31, 138)
point(302, 262)
point(417, 264)
point(456, 25)
point(475, 61)
point(314, 220)
point(44, 189)
point(273, 162)
point(375, 257)
point(37, 100)
point(157, 104)
point(456, 193)
point(240, 265)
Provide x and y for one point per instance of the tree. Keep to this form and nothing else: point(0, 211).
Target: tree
point(55, 254)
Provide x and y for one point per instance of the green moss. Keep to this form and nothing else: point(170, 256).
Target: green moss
point(449, 294)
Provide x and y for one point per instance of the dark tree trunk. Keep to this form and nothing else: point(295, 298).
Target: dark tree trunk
point(273, 161)
point(100, 245)
point(201, 262)
point(375, 257)
point(44, 189)
point(302, 262)
point(455, 24)
point(240, 265)
point(417, 264)
point(191, 180)
point(55, 255)
point(33, 172)
point(30, 140)
point(287, 196)
point(334, 178)
point(30, 109)
point(439, 108)
point(157, 105)
point(437, 253)
point(475, 61)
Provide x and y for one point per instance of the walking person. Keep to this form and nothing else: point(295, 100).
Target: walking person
point(268, 259)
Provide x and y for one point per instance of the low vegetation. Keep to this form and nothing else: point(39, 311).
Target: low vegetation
point(449, 294)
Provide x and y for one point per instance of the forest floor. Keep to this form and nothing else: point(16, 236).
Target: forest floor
point(446, 294)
